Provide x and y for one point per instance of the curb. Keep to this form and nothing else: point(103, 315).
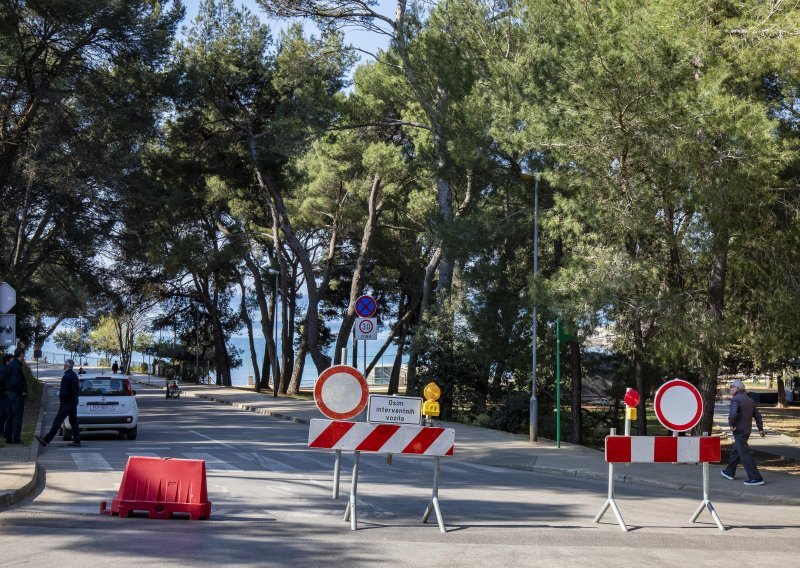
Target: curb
point(14, 496)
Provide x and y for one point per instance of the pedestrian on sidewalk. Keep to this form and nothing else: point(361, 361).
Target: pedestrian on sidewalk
point(114, 368)
point(16, 391)
point(740, 420)
point(5, 371)
point(67, 406)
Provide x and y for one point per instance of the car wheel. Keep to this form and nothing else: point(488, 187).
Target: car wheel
point(132, 433)
point(67, 434)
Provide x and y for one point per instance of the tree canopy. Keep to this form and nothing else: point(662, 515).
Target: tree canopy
point(213, 174)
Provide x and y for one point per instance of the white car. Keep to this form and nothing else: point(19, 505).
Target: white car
point(106, 403)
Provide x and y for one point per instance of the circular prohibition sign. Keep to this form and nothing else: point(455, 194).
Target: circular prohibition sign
point(365, 326)
point(366, 306)
point(678, 405)
point(341, 392)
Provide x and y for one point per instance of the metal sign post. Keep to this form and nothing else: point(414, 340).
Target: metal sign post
point(706, 504)
point(610, 500)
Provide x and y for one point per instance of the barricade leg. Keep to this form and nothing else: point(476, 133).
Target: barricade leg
point(337, 467)
point(706, 504)
point(434, 504)
point(610, 502)
point(350, 511)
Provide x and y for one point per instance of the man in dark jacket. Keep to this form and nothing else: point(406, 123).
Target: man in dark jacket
point(16, 391)
point(5, 371)
point(67, 406)
point(740, 420)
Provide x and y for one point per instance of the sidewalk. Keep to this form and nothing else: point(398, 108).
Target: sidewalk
point(18, 470)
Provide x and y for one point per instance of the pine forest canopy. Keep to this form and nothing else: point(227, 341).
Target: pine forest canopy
point(235, 174)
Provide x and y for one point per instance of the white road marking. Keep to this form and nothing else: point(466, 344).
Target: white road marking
point(91, 461)
point(308, 458)
point(212, 463)
point(196, 433)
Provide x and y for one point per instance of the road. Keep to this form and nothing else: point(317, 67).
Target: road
point(272, 506)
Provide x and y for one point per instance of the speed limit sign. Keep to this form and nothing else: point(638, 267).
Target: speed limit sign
point(367, 328)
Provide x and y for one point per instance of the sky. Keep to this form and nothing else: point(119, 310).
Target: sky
point(364, 40)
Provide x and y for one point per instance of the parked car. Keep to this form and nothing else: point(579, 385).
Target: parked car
point(106, 403)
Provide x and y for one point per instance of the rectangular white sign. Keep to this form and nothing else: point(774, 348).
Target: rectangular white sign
point(394, 409)
point(366, 328)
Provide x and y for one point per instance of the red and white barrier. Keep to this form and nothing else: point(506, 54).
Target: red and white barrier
point(381, 438)
point(662, 449)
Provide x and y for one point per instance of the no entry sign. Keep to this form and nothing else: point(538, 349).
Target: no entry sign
point(678, 405)
point(341, 392)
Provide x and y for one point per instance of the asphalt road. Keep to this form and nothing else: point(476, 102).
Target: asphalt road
point(272, 506)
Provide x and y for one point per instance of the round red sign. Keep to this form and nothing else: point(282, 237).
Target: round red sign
point(632, 398)
point(341, 392)
point(678, 405)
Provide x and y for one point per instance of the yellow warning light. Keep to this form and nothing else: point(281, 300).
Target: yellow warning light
point(431, 392)
point(430, 408)
point(630, 413)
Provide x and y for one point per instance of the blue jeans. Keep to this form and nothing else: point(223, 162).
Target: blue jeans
point(741, 452)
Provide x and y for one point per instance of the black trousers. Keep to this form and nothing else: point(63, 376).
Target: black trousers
point(16, 408)
point(65, 409)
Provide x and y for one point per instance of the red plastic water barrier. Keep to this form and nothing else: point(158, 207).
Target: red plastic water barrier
point(662, 449)
point(160, 487)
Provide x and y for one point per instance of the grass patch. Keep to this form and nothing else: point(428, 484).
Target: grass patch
point(783, 420)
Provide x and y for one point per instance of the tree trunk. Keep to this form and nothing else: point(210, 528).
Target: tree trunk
point(577, 387)
point(248, 321)
point(782, 393)
point(394, 379)
point(638, 373)
point(711, 347)
point(374, 209)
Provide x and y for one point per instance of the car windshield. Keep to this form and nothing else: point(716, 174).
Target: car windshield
point(103, 386)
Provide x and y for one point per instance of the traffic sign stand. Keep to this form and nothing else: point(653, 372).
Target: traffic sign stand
point(610, 500)
point(420, 441)
point(661, 449)
point(706, 504)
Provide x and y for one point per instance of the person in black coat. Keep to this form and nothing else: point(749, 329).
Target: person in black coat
point(5, 371)
point(67, 407)
point(16, 391)
point(740, 419)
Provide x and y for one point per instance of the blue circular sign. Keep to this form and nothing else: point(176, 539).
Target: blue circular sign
point(366, 306)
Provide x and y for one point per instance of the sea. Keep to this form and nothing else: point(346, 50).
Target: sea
point(239, 375)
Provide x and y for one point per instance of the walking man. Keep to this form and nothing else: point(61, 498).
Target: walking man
point(67, 406)
point(16, 391)
point(740, 419)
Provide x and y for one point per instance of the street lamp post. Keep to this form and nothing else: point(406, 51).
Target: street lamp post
point(533, 433)
point(197, 341)
point(80, 339)
point(275, 369)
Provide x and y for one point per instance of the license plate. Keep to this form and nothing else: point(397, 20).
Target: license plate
point(95, 407)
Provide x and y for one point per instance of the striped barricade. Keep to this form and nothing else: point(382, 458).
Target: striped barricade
point(400, 439)
point(661, 449)
point(381, 438)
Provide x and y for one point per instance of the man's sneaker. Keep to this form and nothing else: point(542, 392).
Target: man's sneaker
point(74, 444)
point(754, 482)
point(724, 474)
point(42, 441)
